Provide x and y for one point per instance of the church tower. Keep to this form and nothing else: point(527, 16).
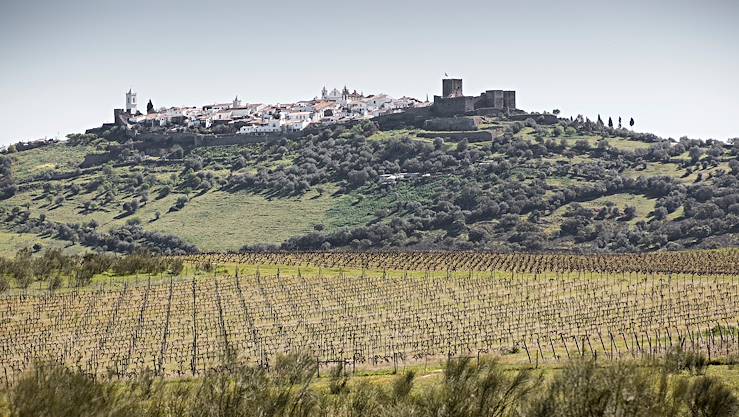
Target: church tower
point(131, 102)
point(345, 94)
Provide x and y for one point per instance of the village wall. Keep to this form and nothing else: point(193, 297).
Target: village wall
point(452, 123)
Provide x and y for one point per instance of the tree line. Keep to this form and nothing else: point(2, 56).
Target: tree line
point(53, 268)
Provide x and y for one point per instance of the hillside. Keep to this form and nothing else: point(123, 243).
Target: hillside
point(573, 186)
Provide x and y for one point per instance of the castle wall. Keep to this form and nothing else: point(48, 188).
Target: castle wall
point(448, 106)
point(509, 99)
point(410, 118)
point(493, 99)
point(118, 115)
point(452, 123)
point(498, 99)
point(489, 111)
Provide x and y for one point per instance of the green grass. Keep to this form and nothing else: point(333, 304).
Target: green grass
point(354, 209)
point(705, 172)
point(671, 169)
point(655, 169)
point(394, 134)
point(60, 157)
point(644, 206)
point(214, 221)
point(11, 242)
point(563, 182)
point(676, 214)
point(219, 221)
point(71, 210)
point(409, 133)
point(619, 143)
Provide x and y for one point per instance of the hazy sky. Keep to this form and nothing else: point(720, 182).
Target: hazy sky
point(672, 65)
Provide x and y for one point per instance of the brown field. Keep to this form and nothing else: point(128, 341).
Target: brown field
point(370, 318)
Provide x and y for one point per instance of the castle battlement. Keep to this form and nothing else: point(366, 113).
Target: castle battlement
point(454, 102)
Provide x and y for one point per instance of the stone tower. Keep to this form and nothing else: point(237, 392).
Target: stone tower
point(509, 99)
point(131, 102)
point(451, 87)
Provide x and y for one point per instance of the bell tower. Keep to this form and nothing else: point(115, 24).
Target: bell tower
point(131, 102)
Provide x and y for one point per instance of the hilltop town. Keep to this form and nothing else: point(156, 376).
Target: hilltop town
point(331, 107)
point(239, 117)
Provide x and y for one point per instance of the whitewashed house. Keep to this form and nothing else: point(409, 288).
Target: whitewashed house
point(270, 125)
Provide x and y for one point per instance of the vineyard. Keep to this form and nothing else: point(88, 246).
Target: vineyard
point(383, 311)
point(693, 262)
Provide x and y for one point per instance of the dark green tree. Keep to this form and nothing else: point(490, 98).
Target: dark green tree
point(695, 154)
point(149, 107)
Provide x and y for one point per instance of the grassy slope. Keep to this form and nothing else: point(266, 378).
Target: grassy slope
point(226, 221)
point(214, 221)
point(644, 206)
point(56, 158)
point(11, 242)
point(219, 220)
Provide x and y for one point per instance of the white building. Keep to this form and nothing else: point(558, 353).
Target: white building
point(270, 125)
point(221, 115)
point(240, 112)
point(334, 106)
point(295, 126)
point(379, 101)
point(357, 107)
point(405, 102)
point(299, 116)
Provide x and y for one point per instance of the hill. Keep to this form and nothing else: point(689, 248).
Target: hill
point(570, 186)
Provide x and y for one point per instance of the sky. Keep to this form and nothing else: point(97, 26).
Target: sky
point(671, 65)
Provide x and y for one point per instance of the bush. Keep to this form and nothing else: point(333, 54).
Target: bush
point(678, 360)
point(181, 202)
point(581, 388)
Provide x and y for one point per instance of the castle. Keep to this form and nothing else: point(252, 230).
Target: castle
point(453, 101)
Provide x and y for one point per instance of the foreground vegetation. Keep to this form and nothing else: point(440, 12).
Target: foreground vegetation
point(467, 388)
point(53, 269)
